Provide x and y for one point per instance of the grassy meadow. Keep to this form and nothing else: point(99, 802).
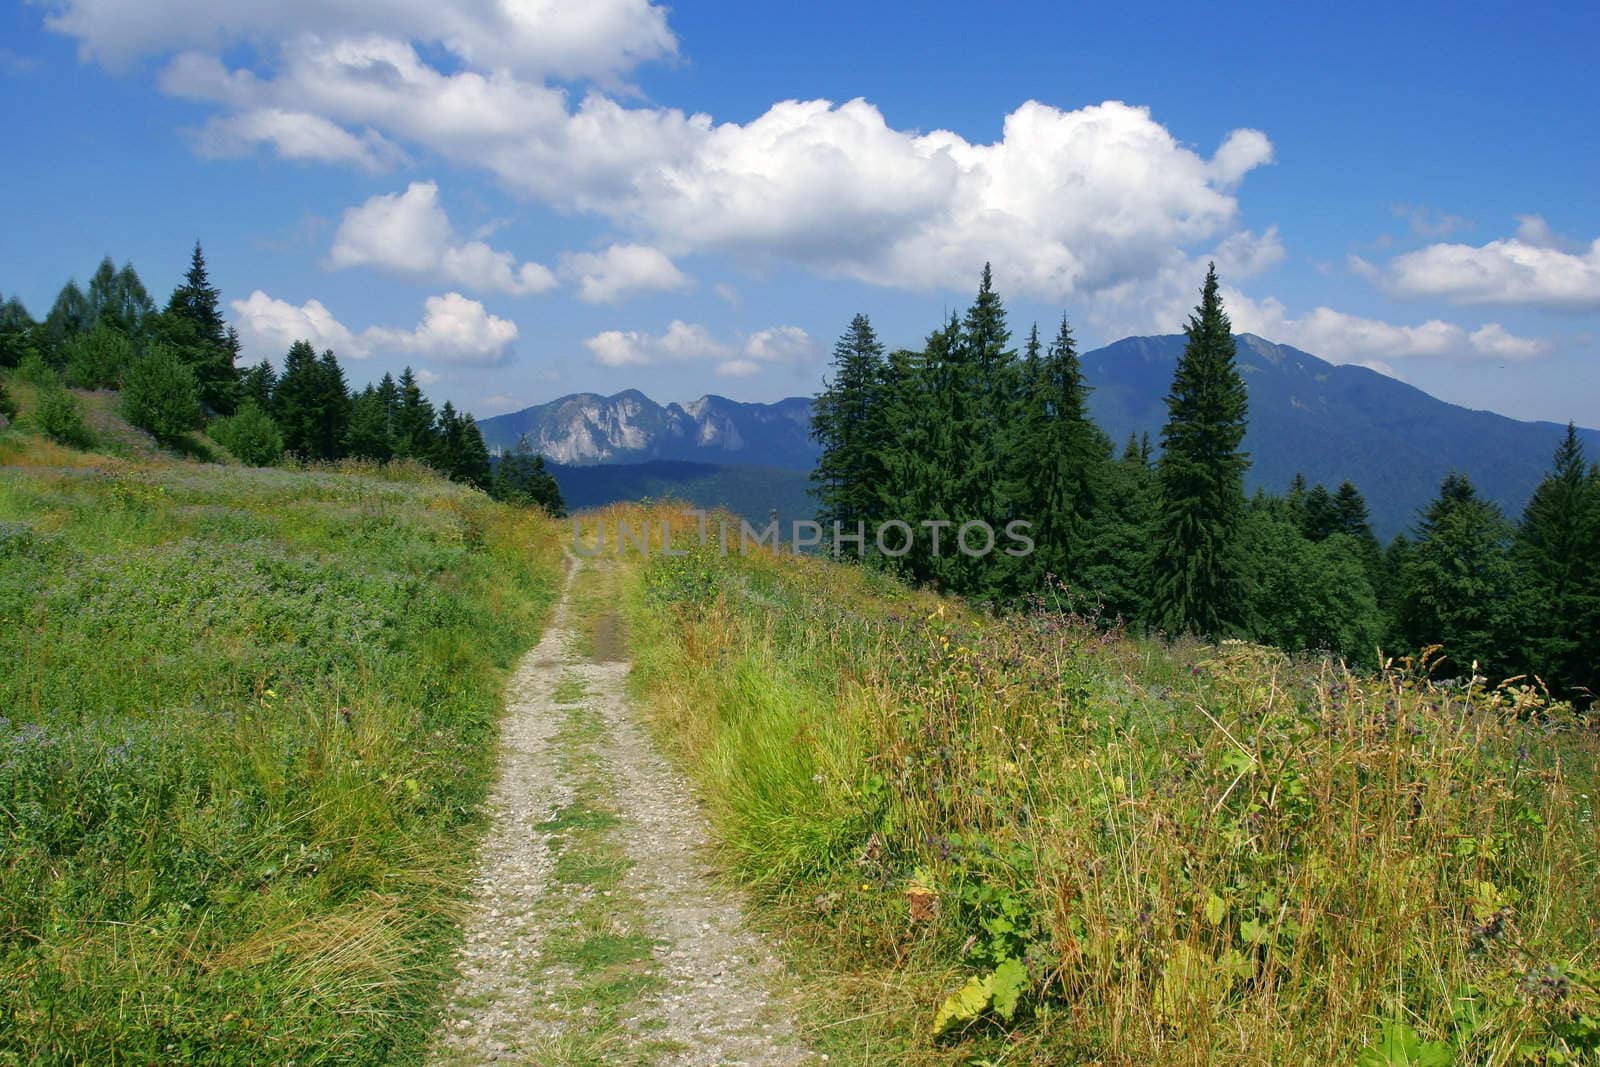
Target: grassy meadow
point(1038, 840)
point(246, 722)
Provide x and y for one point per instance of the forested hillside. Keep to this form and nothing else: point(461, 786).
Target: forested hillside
point(975, 431)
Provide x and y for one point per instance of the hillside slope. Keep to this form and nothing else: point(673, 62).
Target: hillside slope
point(247, 721)
point(1029, 840)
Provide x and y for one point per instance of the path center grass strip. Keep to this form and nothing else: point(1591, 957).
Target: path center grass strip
point(247, 719)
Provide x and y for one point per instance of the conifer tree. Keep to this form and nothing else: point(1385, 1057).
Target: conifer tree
point(1319, 517)
point(367, 435)
point(414, 430)
point(192, 323)
point(69, 316)
point(258, 384)
point(1456, 580)
point(475, 468)
point(17, 333)
point(333, 408)
point(1058, 461)
point(296, 401)
point(848, 421)
point(1553, 552)
point(1196, 567)
point(1351, 510)
point(448, 445)
point(521, 478)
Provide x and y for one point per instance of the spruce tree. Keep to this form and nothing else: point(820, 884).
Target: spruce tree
point(333, 408)
point(296, 401)
point(1058, 459)
point(367, 435)
point(17, 333)
point(192, 323)
point(1456, 581)
point(69, 316)
point(1553, 552)
point(258, 384)
point(848, 422)
point(521, 479)
point(1195, 571)
point(414, 430)
point(475, 467)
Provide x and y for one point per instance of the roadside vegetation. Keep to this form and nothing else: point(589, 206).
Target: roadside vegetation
point(1036, 838)
point(247, 718)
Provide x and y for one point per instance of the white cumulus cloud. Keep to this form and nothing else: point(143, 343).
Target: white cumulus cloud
point(598, 39)
point(1533, 269)
point(453, 329)
point(1064, 203)
point(684, 342)
point(1340, 337)
point(294, 135)
point(621, 270)
point(409, 233)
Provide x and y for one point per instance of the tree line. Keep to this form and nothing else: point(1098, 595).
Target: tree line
point(973, 428)
point(177, 371)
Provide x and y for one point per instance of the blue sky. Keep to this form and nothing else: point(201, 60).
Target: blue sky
point(538, 198)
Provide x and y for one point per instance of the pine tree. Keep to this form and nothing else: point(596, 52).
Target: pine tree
point(414, 431)
point(296, 401)
point(1196, 568)
point(69, 316)
point(192, 323)
point(447, 457)
point(17, 333)
point(1319, 516)
point(1058, 458)
point(521, 479)
point(475, 467)
point(258, 384)
point(1456, 580)
point(1351, 510)
point(333, 408)
point(1553, 555)
point(848, 421)
point(367, 435)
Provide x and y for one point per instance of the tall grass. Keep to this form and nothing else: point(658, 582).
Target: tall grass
point(246, 722)
point(1090, 848)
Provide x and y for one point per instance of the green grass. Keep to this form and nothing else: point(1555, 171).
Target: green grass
point(598, 963)
point(248, 721)
point(1167, 855)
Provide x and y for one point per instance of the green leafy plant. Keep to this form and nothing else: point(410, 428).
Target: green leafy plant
point(160, 395)
point(59, 415)
point(250, 435)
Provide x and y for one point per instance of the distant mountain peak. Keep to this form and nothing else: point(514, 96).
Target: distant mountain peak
point(1330, 421)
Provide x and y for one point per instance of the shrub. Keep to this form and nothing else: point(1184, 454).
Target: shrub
point(161, 395)
point(98, 359)
point(250, 435)
point(60, 417)
point(8, 406)
point(35, 371)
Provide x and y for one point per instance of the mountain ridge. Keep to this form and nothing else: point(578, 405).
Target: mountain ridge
point(1332, 422)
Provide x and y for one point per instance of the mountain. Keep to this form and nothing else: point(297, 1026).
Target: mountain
point(1395, 442)
point(587, 428)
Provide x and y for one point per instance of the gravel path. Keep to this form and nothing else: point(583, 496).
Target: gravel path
point(703, 993)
